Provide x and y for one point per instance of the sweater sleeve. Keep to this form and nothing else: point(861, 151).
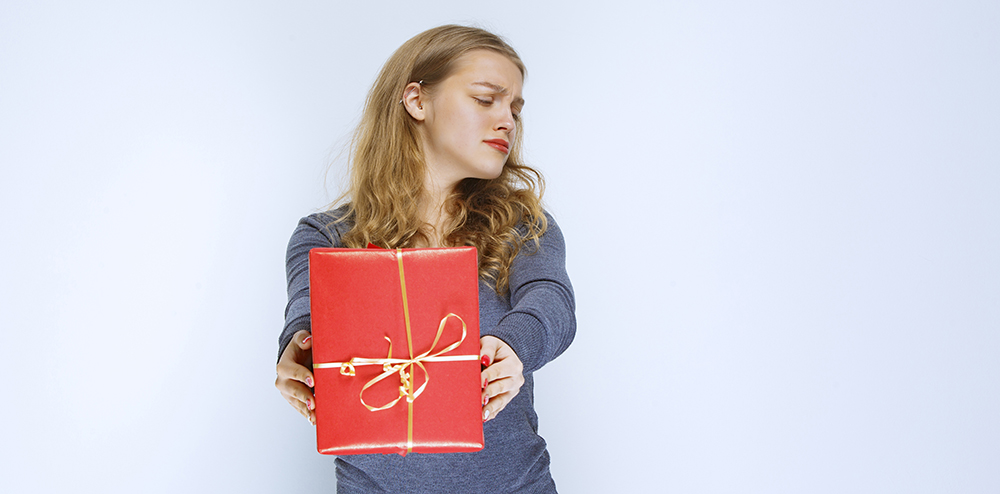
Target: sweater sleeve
point(542, 321)
point(317, 230)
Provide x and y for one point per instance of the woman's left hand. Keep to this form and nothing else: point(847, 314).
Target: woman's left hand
point(502, 378)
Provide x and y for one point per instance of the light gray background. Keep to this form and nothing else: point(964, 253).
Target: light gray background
point(783, 227)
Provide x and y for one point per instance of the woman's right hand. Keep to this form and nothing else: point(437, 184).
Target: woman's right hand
point(295, 379)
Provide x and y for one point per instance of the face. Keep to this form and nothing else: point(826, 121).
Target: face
point(469, 119)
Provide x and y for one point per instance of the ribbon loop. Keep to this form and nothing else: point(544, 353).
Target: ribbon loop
point(347, 369)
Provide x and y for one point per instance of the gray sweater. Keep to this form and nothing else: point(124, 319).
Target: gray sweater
point(536, 318)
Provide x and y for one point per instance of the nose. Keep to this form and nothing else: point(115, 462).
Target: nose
point(506, 121)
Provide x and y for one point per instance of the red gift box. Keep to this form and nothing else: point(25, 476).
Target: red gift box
point(396, 350)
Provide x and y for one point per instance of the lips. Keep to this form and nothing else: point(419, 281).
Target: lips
point(499, 144)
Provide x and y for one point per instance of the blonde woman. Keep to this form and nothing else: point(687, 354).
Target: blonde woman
point(436, 163)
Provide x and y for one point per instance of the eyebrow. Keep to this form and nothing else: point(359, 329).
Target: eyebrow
point(499, 89)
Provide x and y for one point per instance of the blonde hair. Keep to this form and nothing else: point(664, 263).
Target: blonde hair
point(497, 216)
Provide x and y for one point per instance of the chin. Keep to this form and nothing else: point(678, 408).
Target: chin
point(492, 174)
point(487, 172)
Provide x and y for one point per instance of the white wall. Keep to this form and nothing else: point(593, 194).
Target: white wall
point(783, 223)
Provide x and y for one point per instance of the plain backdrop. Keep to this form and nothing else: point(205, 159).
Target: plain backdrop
point(783, 227)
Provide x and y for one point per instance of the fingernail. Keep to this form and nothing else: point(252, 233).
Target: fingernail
point(309, 405)
point(307, 339)
point(486, 382)
point(486, 361)
point(486, 400)
point(486, 415)
point(309, 382)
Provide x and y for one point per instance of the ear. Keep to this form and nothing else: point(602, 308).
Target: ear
point(413, 101)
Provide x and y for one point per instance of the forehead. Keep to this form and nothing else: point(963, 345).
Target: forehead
point(488, 66)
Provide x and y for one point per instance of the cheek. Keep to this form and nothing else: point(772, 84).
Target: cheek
point(467, 130)
point(461, 128)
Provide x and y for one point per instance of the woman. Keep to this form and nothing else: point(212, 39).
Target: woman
point(436, 163)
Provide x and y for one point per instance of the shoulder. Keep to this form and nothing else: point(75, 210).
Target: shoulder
point(329, 226)
point(551, 225)
point(537, 256)
point(551, 234)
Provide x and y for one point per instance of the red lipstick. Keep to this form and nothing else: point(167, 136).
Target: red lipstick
point(499, 144)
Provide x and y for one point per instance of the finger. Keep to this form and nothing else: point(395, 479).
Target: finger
point(502, 369)
point(297, 391)
point(307, 410)
point(304, 403)
point(305, 376)
point(303, 339)
point(501, 386)
point(492, 373)
point(496, 404)
point(497, 353)
point(298, 405)
point(310, 415)
point(488, 346)
point(293, 361)
point(295, 372)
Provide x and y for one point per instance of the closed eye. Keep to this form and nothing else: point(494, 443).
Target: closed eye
point(489, 102)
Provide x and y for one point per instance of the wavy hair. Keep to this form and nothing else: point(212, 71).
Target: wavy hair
point(498, 216)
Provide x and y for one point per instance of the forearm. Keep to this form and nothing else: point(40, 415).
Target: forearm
point(541, 326)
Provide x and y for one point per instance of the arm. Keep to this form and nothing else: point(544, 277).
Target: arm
point(539, 327)
point(295, 378)
point(311, 232)
point(542, 321)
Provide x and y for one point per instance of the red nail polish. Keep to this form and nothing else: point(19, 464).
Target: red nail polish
point(485, 383)
point(309, 382)
point(307, 339)
point(486, 400)
point(309, 405)
point(486, 361)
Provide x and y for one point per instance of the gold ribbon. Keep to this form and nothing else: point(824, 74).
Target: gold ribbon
point(403, 367)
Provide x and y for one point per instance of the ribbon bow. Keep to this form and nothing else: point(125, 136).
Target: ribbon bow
point(392, 366)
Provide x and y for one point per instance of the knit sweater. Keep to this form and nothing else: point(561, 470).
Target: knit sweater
point(536, 318)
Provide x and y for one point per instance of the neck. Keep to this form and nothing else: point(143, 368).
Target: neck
point(432, 211)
